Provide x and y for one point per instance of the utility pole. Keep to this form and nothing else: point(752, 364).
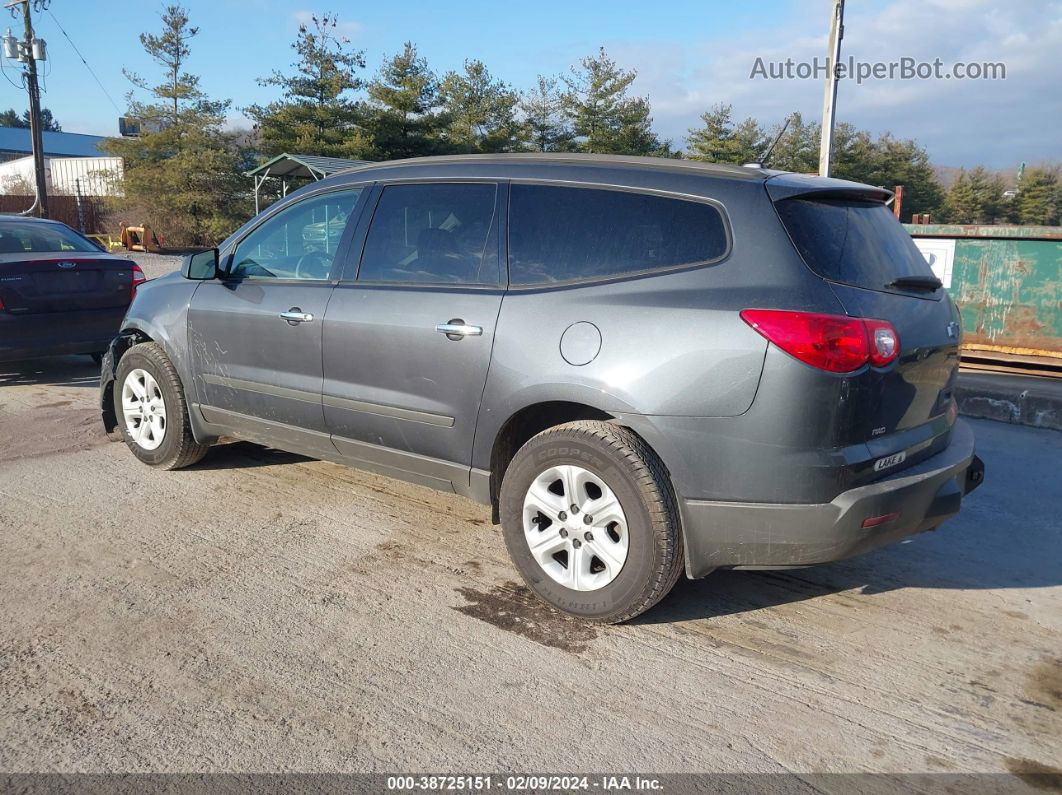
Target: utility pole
point(829, 99)
point(28, 51)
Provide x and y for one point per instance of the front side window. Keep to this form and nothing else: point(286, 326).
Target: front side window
point(559, 234)
point(433, 234)
point(299, 242)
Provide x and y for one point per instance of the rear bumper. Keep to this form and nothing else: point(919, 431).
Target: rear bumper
point(57, 333)
point(763, 535)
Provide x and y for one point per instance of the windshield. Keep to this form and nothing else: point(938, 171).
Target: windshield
point(17, 237)
point(855, 242)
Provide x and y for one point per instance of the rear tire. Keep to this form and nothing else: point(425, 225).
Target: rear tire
point(590, 463)
point(152, 413)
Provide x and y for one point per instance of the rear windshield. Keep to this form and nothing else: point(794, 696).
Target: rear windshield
point(17, 237)
point(855, 242)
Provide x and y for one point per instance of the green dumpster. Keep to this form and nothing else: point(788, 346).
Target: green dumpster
point(1007, 281)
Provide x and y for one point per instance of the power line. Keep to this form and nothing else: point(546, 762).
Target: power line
point(82, 57)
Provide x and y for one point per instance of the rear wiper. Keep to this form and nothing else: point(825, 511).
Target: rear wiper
point(928, 283)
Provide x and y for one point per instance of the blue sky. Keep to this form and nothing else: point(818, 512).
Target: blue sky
point(688, 55)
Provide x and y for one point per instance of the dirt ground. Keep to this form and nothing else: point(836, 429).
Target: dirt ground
point(265, 612)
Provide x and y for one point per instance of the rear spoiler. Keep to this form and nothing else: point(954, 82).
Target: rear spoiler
point(788, 186)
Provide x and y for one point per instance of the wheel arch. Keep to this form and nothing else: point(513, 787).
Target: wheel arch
point(123, 341)
point(533, 418)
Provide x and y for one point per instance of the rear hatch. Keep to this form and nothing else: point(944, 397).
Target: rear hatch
point(850, 238)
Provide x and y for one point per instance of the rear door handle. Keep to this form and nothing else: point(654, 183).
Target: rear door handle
point(296, 315)
point(456, 329)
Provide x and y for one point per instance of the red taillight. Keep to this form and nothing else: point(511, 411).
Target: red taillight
point(138, 279)
point(837, 343)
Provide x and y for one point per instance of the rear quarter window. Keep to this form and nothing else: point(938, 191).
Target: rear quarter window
point(855, 242)
point(562, 234)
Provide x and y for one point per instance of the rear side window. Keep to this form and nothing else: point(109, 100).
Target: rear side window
point(433, 234)
point(856, 242)
point(559, 234)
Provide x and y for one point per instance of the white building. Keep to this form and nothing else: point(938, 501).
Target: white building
point(64, 176)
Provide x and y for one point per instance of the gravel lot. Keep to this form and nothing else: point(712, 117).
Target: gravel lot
point(265, 612)
point(153, 265)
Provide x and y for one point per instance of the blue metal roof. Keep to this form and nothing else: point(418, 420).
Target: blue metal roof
point(56, 144)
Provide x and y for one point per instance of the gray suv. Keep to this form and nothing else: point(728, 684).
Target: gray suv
point(643, 366)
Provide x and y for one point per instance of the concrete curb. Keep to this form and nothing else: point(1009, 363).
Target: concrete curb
point(1021, 400)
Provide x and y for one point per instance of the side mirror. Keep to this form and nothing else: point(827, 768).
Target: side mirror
point(201, 266)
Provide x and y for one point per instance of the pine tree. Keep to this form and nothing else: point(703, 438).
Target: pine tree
point(719, 140)
point(602, 116)
point(1039, 199)
point(170, 51)
point(10, 118)
point(888, 161)
point(48, 122)
point(182, 175)
point(545, 127)
point(479, 111)
point(403, 115)
point(317, 114)
point(975, 197)
point(798, 148)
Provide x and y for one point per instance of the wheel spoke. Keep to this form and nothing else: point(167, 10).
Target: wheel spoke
point(605, 509)
point(577, 561)
point(544, 500)
point(136, 386)
point(546, 541)
point(570, 479)
point(608, 551)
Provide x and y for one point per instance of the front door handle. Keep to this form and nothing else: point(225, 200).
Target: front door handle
point(296, 315)
point(456, 329)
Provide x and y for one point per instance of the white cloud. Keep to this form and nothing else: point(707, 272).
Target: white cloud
point(999, 123)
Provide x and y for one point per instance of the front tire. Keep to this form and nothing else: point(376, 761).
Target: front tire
point(590, 521)
point(152, 413)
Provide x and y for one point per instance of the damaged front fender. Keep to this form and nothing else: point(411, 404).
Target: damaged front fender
point(119, 345)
